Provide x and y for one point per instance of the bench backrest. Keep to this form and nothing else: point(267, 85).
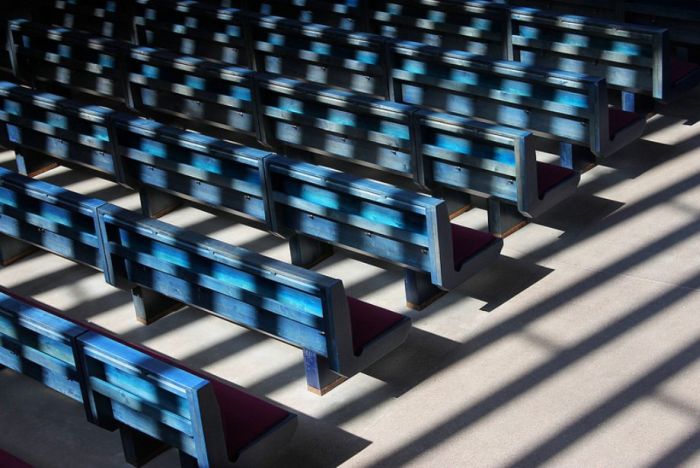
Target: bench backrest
point(76, 62)
point(475, 26)
point(337, 123)
point(611, 9)
point(213, 97)
point(50, 217)
point(107, 18)
point(321, 54)
point(301, 307)
point(58, 127)
point(130, 388)
point(496, 161)
point(193, 28)
point(681, 17)
point(344, 14)
point(379, 220)
point(565, 106)
point(41, 345)
point(631, 57)
point(193, 166)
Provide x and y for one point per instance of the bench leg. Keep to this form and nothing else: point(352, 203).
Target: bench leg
point(140, 448)
point(12, 250)
point(155, 203)
point(307, 252)
point(320, 379)
point(572, 156)
point(31, 163)
point(151, 306)
point(420, 291)
point(504, 218)
point(457, 202)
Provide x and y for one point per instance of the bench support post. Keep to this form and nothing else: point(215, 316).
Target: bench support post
point(151, 306)
point(320, 379)
point(31, 163)
point(457, 202)
point(12, 250)
point(570, 155)
point(504, 218)
point(140, 448)
point(420, 291)
point(307, 252)
point(155, 203)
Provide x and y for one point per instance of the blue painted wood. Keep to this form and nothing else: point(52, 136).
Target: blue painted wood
point(321, 54)
point(557, 105)
point(50, 217)
point(108, 18)
point(190, 166)
point(212, 97)
point(303, 308)
point(39, 344)
point(379, 220)
point(152, 401)
point(633, 58)
point(43, 127)
point(193, 28)
point(479, 27)
point(67, 61)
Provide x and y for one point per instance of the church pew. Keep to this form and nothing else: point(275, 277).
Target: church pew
point(340, 336)
point(565, 107)
point(155, 401)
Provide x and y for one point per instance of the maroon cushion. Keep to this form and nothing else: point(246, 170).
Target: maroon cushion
point(620, 120)
point(244, 416)
point(549, 176)
point(368, 322)
point(468, 242)
point(680, 69)
point(9, 461)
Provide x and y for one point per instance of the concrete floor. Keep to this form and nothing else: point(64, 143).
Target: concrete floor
point(580, 347)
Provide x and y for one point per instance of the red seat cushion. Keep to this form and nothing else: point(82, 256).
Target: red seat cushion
point(680, 69)
point(244, 416)
point(10, 461)
point(468, 242)
point(368, 322)
point(620, 120)
point(549, 176)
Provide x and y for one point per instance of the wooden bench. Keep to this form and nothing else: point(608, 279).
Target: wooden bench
point(479, 27)
point(35, 213)
point(155, 401)
point(193, 28)
point(168, 165)
point(340, 336)
point(321, 54)
point(158, 403)
point(681, 17)
point(44, 129)
point(68, 62)
point(565, 107)
point(107, 18)
point(8, 11)
point(634, 59)
point(201, 94)
point(497, 162)
point(40, 345)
